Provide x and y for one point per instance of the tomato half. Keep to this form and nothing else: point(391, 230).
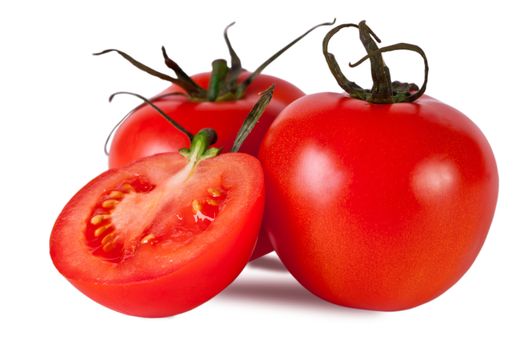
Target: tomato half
point(158, 238)
point(146, 133)
point(377, 206)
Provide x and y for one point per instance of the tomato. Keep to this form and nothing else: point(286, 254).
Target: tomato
point(374, 205)
point(160, 237)
point(146, 133)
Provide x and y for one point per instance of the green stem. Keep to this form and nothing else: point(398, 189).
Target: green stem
point(185, 81)
point(245, 84)
point(231, 81)
point(254, 115)
point(159, 97)
point(199, 147)
point(223, 85)
point(217, 78)
point(166, 116)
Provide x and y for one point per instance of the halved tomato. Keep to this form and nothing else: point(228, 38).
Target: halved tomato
point(163, 235)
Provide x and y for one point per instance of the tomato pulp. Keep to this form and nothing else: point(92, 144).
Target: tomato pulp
point(158, 237)
point(377, 206)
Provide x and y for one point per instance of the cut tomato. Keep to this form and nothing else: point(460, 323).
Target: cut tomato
point(161, 236)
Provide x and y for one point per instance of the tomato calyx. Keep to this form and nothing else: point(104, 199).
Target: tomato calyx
point(383, 91)
point(199, 147)
point(224, 83)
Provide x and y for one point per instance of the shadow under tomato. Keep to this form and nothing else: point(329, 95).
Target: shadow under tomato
point(280, 291)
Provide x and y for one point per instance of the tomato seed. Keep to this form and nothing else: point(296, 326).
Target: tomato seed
point(196, 206)
point(97, 219)
point(99, 231)
point(146, 239)
point(212, 202)
point(110, 203)
point(215, 192)
point(109, 246)
point(108, 238)
point(116, 195)
point(127, 188)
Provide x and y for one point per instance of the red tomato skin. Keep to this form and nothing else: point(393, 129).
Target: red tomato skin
point(380, 207)
point(197, 280)
point(146, 133)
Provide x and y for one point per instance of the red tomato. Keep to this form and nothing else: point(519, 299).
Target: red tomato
point(145, 132)
point(377, 206)
point(158, 238)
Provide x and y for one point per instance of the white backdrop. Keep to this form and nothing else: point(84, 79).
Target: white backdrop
point(55, 117)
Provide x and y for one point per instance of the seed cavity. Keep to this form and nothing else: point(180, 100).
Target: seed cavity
point(101, 235)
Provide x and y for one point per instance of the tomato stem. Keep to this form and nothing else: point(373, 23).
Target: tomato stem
point(199, 147)
point(217, 78)
point(254, 115)
point(224, 85)
point(236, 64)
point(185, 82)
point(245, 84)
point(159, 97)
point(166, 116)
point(383, 90)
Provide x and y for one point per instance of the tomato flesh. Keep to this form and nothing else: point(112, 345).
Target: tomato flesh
point(167, 236)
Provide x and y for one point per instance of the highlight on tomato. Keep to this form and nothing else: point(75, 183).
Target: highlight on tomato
point(219, 99)
point(166, 233)
point(377, 198)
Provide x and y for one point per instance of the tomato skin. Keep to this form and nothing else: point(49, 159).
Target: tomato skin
point(200, 270)
point(380, 207)
point(146, 132)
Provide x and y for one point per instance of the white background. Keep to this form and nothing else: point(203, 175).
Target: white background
point(55, 117)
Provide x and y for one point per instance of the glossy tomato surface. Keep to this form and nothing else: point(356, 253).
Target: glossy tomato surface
point(156, 239)
point(379, 207)
point(146, 132)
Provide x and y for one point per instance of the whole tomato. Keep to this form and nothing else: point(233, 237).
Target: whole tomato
point(378, 199)
point(220, 99)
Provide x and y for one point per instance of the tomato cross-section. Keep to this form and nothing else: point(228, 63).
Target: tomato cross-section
point(161, 237)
